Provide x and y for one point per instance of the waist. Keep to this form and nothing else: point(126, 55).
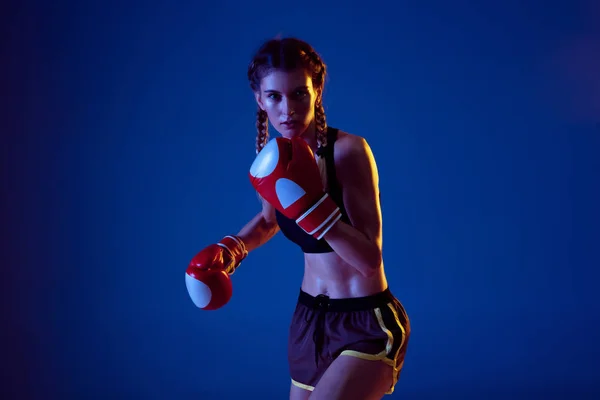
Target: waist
point(327, 273)
point(348, 304)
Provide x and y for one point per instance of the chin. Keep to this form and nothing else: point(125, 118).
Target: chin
point(292, 132)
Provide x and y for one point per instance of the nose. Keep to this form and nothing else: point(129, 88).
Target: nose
point(288, 107)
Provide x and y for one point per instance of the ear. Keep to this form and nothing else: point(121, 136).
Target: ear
point(259, 100)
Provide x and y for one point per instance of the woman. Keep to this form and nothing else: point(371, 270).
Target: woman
point(348, 334)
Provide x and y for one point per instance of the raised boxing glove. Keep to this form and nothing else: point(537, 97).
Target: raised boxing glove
point(207, 277)
point(287, 176)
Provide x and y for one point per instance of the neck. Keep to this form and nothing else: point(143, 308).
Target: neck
point(309, 137)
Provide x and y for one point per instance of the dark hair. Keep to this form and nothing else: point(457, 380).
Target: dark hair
point(288, 54)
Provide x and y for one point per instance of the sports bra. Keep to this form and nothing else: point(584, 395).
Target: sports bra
point(288, 226)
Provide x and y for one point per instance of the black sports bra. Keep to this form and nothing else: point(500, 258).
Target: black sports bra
point(291, 230)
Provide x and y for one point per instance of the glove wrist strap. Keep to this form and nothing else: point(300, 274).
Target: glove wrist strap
point(319, 219)
point(236, 249)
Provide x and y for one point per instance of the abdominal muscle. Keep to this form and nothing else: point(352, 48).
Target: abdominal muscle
point(328, 274)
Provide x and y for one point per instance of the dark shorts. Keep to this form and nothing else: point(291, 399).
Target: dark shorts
point(374, 328)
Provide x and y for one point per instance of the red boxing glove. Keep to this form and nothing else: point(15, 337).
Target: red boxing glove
point(207, 277)
point(287, 176)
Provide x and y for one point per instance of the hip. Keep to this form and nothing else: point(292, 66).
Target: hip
point(377, 324)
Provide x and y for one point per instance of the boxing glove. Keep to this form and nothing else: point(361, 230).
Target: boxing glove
point(287, 176)
point(207, 277)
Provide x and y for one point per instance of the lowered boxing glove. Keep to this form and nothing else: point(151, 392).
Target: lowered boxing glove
point(207, 277)
point(287, 176)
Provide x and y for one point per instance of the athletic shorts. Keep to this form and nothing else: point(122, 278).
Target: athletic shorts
point(373, 328)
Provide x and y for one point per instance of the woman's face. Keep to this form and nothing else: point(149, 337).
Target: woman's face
point(288, 98)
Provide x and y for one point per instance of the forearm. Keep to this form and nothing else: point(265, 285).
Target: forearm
point(257, 232)
point(354, 247)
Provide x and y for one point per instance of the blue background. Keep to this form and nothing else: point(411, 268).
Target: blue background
point(127, 133)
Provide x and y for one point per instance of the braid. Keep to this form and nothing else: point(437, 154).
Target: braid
point(321, 135)
point(319, 73)
point(320, 125)
point(262, 127)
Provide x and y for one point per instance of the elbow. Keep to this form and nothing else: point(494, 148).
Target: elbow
point(272, 228)
point(372, 264)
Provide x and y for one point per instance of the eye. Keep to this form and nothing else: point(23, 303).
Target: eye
point(301, 93)
point(273, 96)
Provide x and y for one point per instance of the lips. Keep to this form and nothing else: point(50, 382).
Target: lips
point(289, 124)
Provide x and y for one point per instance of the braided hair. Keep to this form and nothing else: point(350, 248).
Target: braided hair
point(288, 54)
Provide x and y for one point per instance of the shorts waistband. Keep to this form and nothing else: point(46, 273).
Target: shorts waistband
point(325, 303)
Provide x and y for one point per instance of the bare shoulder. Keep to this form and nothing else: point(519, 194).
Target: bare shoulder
point(352, 152)
point(349, 143)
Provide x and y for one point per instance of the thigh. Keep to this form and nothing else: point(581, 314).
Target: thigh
point(297, 393)
point(353, 378)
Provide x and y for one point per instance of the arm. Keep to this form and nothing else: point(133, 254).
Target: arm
point(212, 265)
point(359, 244)
point(260, 229)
